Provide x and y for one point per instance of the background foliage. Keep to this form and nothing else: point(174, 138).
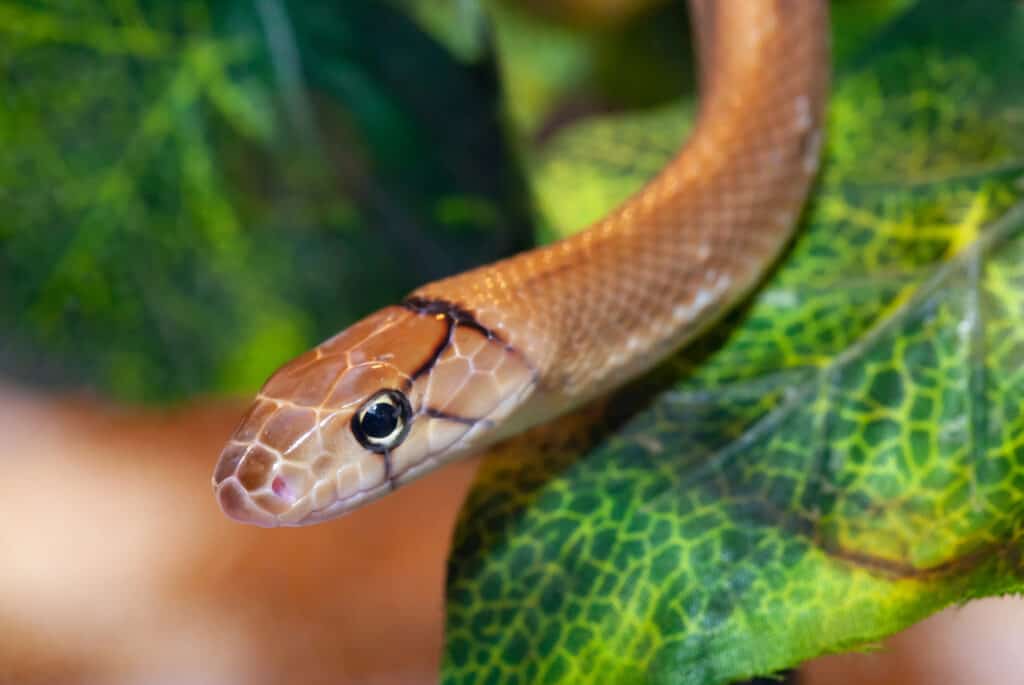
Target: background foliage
point(195, 191)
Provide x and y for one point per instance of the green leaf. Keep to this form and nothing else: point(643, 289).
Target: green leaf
point(840, 458)
point(457, 24)
point(554, 71)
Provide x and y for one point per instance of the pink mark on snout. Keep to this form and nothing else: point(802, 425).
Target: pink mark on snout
point(281, 489)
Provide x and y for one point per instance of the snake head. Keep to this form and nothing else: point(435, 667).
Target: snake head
point(387, 400)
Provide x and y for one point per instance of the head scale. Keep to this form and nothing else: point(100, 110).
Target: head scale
point(387, 400)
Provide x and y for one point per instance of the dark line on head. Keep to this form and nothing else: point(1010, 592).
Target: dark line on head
point(445, 416)
point(455, 315)
point(438, 351)
point(460, 315)
point(389, 477)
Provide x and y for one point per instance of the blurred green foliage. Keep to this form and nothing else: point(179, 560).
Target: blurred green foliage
point(194, 192)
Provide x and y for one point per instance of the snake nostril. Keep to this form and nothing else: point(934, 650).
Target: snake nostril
point(281, 489)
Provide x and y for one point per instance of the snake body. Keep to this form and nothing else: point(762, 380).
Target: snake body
point(474, 358)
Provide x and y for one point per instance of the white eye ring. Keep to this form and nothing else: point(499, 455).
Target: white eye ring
point(383, 421)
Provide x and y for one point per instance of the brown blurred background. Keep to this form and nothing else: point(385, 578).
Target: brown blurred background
point(118, 568)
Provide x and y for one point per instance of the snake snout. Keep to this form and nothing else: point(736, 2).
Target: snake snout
point(251, 490)
point(247, 487)
point(269, 506)
point(238, 505)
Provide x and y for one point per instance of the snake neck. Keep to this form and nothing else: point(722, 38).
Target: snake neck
point(602, 306)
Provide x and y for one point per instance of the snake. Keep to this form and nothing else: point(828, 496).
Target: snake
point(475, 358)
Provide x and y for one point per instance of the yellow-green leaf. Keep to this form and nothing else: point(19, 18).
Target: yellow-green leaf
point(841, 457)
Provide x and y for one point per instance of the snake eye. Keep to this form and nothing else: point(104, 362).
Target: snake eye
point(382, 422)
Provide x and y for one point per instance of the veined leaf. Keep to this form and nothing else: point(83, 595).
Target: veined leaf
point(843, 456)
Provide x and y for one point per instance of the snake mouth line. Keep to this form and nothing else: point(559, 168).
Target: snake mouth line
point(342, 506)
point(237, 504)
point(364, 496)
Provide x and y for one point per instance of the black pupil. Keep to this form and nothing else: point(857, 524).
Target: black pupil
point(380, 420)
